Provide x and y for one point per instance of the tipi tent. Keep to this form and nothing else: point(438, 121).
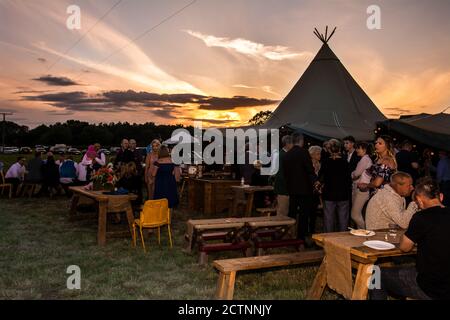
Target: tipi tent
point(327, 102)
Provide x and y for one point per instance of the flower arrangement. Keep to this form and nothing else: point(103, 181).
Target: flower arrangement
point(104, 178)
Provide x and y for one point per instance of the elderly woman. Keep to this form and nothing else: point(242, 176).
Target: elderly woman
point(316, 154)
point(150, 160)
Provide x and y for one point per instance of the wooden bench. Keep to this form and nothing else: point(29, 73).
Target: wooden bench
point(228, 268)
point(261, 245)
point(219, 247)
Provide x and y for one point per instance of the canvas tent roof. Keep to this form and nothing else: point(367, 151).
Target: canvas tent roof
point(432, 130)
point(327, 102)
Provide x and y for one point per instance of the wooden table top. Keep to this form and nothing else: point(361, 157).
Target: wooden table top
point(218, 181)
point(240, 222)
point(249, 189)
point(363, 251)
point(99, 196)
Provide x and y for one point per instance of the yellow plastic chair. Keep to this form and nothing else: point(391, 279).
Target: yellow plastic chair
point(154, 214)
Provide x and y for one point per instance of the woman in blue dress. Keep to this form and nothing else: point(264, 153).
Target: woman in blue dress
point(166, 174)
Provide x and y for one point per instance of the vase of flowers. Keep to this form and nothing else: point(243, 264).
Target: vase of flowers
point(104, 179)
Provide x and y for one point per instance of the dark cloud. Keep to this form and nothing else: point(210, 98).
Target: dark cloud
point(56, 81)
point(213, 121)
point(43, 60)
point(160, 104)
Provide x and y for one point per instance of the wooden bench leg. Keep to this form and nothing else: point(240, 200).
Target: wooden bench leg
point(319, 283)
point(203, 259)
point(225, 286)
point(101, 235)
point(361, 289)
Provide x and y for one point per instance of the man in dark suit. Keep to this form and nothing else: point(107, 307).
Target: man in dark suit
point(299, 176)
point(350, 153)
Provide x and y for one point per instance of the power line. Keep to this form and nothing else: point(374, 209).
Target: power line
point(143, 34)
point(84, 35)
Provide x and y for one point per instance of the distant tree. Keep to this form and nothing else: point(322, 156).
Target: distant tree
point(260, 118)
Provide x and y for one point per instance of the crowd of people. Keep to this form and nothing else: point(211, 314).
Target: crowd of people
point(380, 189)
point(56, 174)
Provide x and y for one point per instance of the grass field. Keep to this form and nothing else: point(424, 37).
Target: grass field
point(38, 243)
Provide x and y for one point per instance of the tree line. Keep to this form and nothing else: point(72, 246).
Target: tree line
point(80, 134)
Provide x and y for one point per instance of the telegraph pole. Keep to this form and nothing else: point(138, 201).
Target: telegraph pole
point(4, 114)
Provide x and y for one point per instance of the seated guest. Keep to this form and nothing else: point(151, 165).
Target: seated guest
point(388, 205)
point(16, 174)
point(34, 169)
point(50, 177)
point(129, 178)
point(428, 229)
point(68, 173)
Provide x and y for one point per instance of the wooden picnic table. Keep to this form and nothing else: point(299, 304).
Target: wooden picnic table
point(106, 204)
point(248, 192)
point(196, 227)
point(362, 259)
point(209, 196)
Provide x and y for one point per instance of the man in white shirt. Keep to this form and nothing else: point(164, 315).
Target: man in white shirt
point(16, 174)
point(388, 205)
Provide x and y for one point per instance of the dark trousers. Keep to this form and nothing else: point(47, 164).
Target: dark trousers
point(399, 282)
point(303, 205)
point(15, 184)
point(330, 210)
point(445, 189)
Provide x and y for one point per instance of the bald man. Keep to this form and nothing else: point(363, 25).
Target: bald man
point(388, 205)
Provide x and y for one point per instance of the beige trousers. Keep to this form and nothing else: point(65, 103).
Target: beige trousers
point(283, 205)
point(359, 199)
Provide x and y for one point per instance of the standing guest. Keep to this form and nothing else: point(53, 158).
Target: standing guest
point(16, 174)
point(86, 166)
point(335, 178)
point(166, 174)
point(443, 176)
point(120, 157)
point(34, 169)
point(426, 167)
point(280, 188)
point(68, 173)
point(299, 175)
point(384, 167)
point(316, 155)
point(50, 177)
point(150, 160)
point(325, 150)
point(430, 278)
point(137, 155)
point(350, 153)
point(388, 205)
point(100, 159)
point(137, 158)
point(359, 175)
point(407, 160)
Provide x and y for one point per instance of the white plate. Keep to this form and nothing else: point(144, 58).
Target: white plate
point(379, 245)
point(355, 233)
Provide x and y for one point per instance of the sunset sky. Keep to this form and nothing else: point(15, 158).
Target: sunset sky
point(219, 61)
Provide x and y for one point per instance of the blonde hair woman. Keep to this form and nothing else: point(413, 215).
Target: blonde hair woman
point(315, 152)
point(150, 160)
point(384, 167)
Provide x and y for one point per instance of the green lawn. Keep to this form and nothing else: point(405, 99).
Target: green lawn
point(38, 243)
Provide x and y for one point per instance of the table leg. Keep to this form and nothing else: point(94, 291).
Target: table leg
point(248, 210)
point(361, 288)
point(319, 283)
point(101, 235)
point(73, 206)
point(130, 217)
